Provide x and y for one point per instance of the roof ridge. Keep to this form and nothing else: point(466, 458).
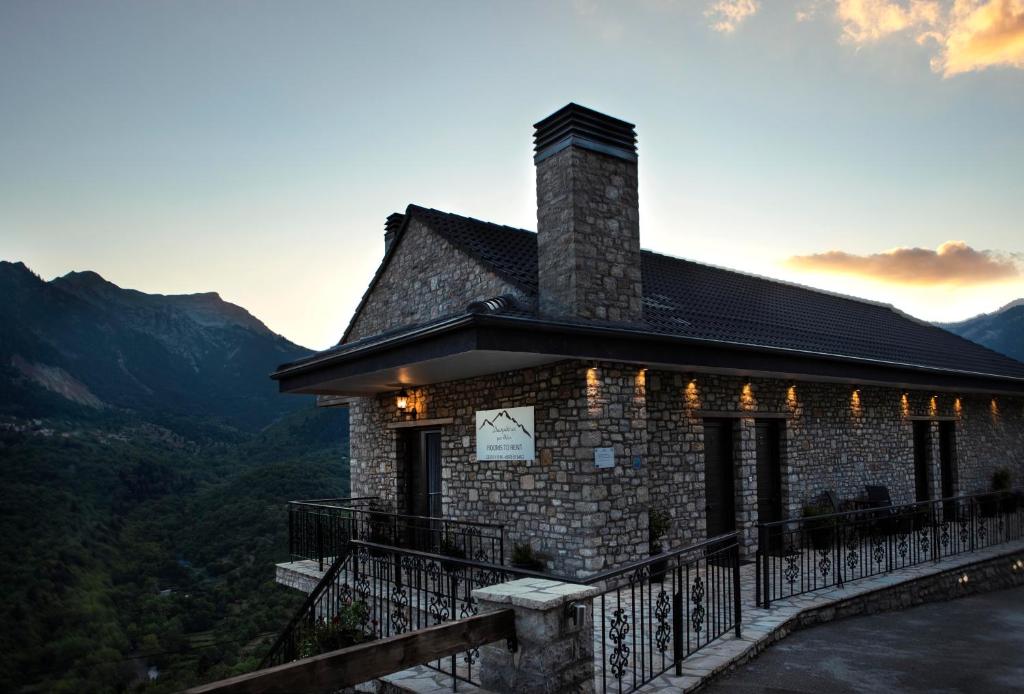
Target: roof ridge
point(787, 283)
point(648, 251)
point(420, 208)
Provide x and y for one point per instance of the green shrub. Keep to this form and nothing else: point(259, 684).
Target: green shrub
point(658, 524)
point(342, 631)
point(523, 556)
point(1002, 480)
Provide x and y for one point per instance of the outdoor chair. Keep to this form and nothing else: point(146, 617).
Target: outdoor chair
point(879, 500)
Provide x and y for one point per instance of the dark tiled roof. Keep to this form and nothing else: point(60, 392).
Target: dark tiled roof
point(511, 253)
point(689, 299)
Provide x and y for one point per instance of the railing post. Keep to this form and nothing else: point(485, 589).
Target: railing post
point(974, 529)
point(677, 625)
point(319, 540)
point(737, 606)
point(758, 557)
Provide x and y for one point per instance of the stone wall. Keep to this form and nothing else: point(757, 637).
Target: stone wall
point(588, 236)
point(427, 278)
point(584, 519)
point(833, 439)
point(587, 519)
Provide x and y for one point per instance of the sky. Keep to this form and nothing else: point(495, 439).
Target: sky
point(869, 147)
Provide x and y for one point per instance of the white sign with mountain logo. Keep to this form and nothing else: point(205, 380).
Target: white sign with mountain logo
point(505, 434)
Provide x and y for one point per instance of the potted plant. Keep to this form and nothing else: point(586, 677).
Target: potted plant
point(658, 524)
point(523, 557)
point(818, 528)
point(450, 548)
point(1002, 482)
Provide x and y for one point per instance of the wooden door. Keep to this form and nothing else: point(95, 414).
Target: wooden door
point(423, 474)
point(922, 460)
point(947, 457)
point(769, 471)
point(719, 486)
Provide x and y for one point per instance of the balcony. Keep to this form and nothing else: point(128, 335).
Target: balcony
point(319, 530)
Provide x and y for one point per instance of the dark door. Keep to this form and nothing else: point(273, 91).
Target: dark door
point(432, 462)
point(922, 460)
point(947, 457)
point(423, 474)
point(718, 477)
point(769, 471)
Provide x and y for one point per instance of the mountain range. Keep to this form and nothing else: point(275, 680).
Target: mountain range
point(80, 343)
point(1001, 330)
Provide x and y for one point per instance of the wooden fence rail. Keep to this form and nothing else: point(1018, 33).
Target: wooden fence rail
point(331, 671)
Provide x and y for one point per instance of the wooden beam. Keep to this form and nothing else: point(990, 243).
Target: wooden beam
point(411, 423)
point(347, 667)
point(932, 418)
point(742, 414)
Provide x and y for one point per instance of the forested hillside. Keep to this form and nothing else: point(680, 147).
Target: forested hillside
point(146, 462)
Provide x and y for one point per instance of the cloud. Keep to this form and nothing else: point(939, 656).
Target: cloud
point(952, 263)
point(726, 15)
point(970, 35)
point(982, 35)
point(866, 21)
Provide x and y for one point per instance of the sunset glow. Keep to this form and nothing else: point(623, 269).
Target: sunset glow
point(866, 147)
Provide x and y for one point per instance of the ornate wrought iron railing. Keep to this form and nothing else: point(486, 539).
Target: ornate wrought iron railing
point(319, 529)
point(407, 589)
point(801, 555)
point(319, 618)
point(649, 616)
point(656, 612)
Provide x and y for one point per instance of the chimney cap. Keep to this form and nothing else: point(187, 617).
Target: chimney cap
point(583, 127)
point(393, 221)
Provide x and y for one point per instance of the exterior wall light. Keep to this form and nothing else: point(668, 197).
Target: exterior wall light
point(402, 401)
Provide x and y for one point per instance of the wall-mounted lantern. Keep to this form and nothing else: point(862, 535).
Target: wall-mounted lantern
point(402, 402)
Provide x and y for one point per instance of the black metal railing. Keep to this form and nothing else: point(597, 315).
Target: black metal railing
point(802, 555)
point(656, 612)
point(318, 619)
point(318, 530)
point(649, 616)
point(406, 589)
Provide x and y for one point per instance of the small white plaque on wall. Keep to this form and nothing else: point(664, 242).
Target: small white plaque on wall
point(505, 434)
point(604, 457)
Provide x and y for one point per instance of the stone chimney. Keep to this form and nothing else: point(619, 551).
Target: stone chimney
point(588, 221)
point(391, 226)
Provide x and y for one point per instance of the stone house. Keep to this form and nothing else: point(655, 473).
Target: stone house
point(719, 397)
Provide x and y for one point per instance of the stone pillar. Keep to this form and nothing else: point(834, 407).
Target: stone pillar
point(745, 459)
point(555, 640)
point(934, 461)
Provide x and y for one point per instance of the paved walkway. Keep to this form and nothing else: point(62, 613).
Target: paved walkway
point(975, 645)
point(759, 625)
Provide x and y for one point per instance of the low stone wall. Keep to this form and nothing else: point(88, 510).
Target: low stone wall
point(981, 577)
point(987, 575)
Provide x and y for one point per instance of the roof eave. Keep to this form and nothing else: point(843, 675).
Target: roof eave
point(623, 343)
